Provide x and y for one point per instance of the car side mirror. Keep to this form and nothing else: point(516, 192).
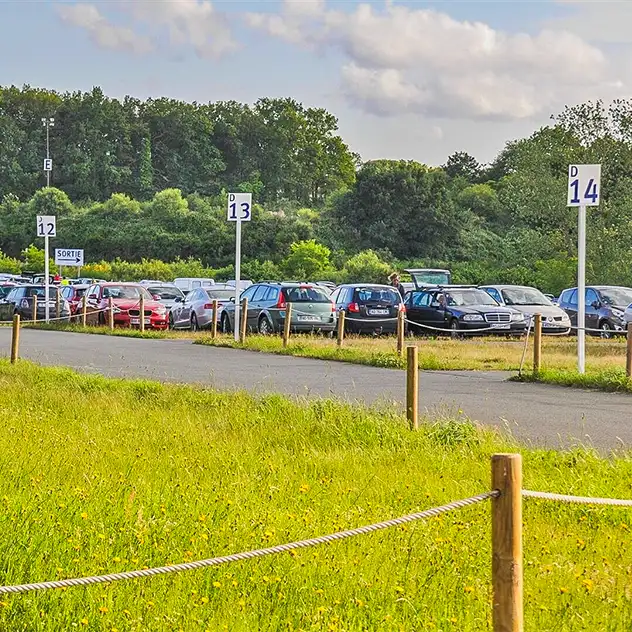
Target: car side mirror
point(155, 297)
point(232, 299)
point(596, 304)
point(177, 299)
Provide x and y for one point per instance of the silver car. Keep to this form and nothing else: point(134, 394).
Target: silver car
point(531, 301)
point(195, 311)
point(165, 293)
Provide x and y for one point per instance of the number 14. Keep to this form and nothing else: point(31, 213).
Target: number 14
point(589, 194)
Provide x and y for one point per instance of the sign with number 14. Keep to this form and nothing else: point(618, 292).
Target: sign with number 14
point(584, 185)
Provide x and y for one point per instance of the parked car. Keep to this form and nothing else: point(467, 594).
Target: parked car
point(20, 300)
point(74, 295)
point(605, 308)
point(126, 301)
point(530, 301)
point(195, 310)
point(165, 293)
point(368, 307)
point(186, 284)
point(312, 308)
point(461, 308)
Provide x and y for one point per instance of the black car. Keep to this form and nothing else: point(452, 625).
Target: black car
point(605, 308)
point(368, 307)
point(460, 309)
point(20, 300)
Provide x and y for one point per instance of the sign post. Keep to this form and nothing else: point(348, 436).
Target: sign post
point(46, 227)
point(239, 210)
point(584, 189)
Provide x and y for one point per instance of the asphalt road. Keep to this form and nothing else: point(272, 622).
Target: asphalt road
point(539, 414)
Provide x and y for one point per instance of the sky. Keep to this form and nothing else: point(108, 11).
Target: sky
point(407, 79)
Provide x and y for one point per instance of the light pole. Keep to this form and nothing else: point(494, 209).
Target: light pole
point(48, 165)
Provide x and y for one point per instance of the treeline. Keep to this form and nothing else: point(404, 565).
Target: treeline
point(276, 148)
point(503, 222)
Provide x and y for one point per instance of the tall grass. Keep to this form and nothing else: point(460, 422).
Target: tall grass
point(101, 475)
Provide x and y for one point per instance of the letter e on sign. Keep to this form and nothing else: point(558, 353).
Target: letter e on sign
point(584, 185)
point(239, 207)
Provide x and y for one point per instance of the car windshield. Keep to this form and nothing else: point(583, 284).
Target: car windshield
point(165, 293)
point(524, 296)
point(125, 291)
point(469, 297)
point(221, 295)
point(617, 296)
point(431, 277)
point(377, 295)
point(306, 295)
point(5, 289)
point(39, 291)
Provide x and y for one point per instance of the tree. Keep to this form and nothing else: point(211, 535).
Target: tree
point(366, 266)
point(462, 165)
point(307, 261)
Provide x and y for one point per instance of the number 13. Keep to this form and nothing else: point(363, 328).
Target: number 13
point(245, 210)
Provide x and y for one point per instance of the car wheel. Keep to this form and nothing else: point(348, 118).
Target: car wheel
point(172, 325)
point(265, 326)
point(101, 319)
point(606, 329)
point(194, 323)
point(455, 329)
point(225, 324)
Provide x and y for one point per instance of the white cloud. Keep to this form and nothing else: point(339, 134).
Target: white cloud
point(101, 31)
point(402, 59)
point(187, 23)
point(601, 21)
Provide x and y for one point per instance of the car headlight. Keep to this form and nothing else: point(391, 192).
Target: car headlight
point(617, 313)
point(470, 317)
point(161, 311)
point(519, 316)
point(566, 318)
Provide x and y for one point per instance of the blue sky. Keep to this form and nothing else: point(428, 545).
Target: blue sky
point(415, 80)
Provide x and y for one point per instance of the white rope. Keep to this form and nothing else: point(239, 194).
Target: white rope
point(585, 500)
point(247, 555)
point(461, 331)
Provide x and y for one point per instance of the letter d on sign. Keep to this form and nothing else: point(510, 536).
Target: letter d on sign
point(574, 171)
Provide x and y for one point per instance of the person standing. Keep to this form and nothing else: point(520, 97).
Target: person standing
point(397, 284)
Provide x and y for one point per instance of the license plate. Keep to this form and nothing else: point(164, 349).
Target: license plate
point(377, 312)
point(309, 319)
point(136, 321)
point(501, 326)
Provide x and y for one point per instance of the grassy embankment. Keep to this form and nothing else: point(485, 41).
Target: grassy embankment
point(103, 475)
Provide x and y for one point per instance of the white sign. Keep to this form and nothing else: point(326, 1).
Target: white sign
point(46, 226)
point(48, 164)
point(66, 257)
point(239, 207)
point(584, 185)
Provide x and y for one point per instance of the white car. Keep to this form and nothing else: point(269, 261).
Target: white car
point(531, 301)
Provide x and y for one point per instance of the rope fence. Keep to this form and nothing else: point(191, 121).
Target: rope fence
point(506, 498)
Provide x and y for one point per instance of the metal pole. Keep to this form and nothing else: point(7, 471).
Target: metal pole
point(237, 276)
point(46, 280)
point(581, 291)
point(47, 151)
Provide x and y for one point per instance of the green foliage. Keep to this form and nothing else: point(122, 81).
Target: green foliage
point(9, 265)
point(366, 266)
point(308, 260)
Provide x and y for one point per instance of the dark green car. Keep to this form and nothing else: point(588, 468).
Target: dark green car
point(312, 308)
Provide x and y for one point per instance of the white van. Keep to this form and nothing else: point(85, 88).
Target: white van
point(186, 284)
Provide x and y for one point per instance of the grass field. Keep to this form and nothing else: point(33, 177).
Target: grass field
point(103, 475)
point(482, 354)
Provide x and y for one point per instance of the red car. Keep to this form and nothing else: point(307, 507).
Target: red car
point(74, 295)
point(126, 300)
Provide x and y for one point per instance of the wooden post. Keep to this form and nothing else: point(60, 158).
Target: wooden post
point(111, 313)
point(628, 353)
point(412, 387)
point(243, 325)
point(341, 327)
point(84, 310)
point(214, 323)
point(507, 543)
point(401, 326)
point(537, 344)
point(58, 304)
point(15, 339)
point(34, 319)
point(141, 321)
point(287, 325)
